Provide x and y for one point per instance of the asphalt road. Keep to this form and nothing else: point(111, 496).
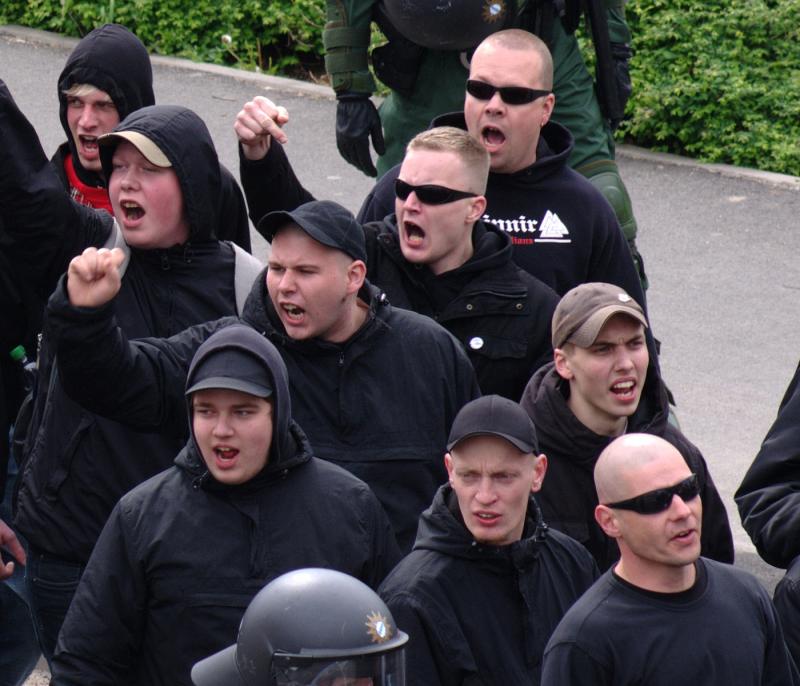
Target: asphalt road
point(720, 247)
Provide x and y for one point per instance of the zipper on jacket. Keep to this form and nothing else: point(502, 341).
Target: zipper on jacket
point(164, 261)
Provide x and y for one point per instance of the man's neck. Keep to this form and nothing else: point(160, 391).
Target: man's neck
point(601, 424)
point(660, 578)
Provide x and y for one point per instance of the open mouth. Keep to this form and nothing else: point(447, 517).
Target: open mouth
point(225, 454)
point(132, 211)
point(624, 390)
point(492, 137)
point(684, 536)
point(487, 517)
point(414, 234)
point(293, 312)
point(89, 143)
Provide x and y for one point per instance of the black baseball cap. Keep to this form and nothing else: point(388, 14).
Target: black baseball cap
point(494, 415)
point(327, 222)
point(232, 369)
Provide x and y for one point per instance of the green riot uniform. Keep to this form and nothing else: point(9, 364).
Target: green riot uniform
point(438, 87)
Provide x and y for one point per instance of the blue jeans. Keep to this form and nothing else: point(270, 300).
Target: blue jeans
point(50, 583)
point(19, 650)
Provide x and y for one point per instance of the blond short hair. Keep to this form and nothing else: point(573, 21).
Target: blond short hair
point(451, 139)
point(80, 90)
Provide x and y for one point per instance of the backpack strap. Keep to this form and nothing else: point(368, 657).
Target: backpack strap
point(116, 240)
point(246, 270)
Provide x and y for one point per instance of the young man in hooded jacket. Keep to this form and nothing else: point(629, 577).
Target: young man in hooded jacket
point(163, 176)
point(375, 387)
point(183, 554)
point(434, 255)
point(108, 76)
point(600, 385)
point(487, 581)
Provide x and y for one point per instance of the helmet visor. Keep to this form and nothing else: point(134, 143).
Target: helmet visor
point(383, 669)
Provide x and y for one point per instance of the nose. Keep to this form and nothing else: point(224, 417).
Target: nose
point(128, 179)
point(222, 426)
point(485, 494)
point(679, 509)
point(495, 103)
point(622, 359)
point(88, 118)
point(287, 281)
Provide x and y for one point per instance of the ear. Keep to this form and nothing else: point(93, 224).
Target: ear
point(356, 273)
point(607, 520)
point(539, 470)
point(476, 209)
point(547, 106)
point(448, 465)
point(562, 364)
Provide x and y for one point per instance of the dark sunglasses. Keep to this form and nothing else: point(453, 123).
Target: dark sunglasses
point(429, 193)
point(511, 95)
point(659, 500)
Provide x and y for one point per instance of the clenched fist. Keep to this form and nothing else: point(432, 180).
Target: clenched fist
point(258, 122)
point(93, 277)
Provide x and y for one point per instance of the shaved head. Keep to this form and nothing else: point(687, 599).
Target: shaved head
point(624, 456)
point(518, 39)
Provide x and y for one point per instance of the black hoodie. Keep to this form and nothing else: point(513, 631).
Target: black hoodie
point(67, 489)
point(182, 555)
point(499, 313)
point(478, 614)
point(568, 496)
point(563, 230)
point(114, 60)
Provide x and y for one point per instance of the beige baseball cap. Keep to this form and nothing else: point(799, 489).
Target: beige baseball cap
point(583, 311)
point(141, 142)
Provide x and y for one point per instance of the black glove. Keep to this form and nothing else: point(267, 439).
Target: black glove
point(357, 120)
point(621, 54)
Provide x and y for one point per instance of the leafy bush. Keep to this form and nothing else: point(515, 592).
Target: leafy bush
point(714, 79)
point(718, 80)
point(280, 36)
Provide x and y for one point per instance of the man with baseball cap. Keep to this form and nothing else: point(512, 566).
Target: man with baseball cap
point(183, 554)
point(599, 386)
point(375, 387)
point(487, 580)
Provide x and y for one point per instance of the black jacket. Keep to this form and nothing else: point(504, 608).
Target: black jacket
point(769, 495)
point(380, 404)
point(79, 464)
point(182, 555)
point(114, 60)
point(499, 313)
point(563, 230)
point(482, 615)
point(568, 496)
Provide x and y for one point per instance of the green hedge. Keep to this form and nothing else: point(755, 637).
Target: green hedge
point(277, 36)
point(718, 80)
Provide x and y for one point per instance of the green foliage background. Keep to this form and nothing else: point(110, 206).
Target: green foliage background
point(718, 80)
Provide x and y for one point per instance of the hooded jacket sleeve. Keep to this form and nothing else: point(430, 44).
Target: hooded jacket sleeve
point(102, 633)
point(47, 228)
point(769, 495)
point(149, 375)
point(270, 183)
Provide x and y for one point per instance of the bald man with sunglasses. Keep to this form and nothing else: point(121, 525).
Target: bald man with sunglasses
point(663, 615)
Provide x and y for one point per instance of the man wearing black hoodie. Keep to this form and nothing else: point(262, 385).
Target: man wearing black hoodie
point(602, 385)
point(563, 230)
point(183, 554)
point(163, 176)
point(434, 255)
point(106, 77)
point(487, 581)
point(376, 387)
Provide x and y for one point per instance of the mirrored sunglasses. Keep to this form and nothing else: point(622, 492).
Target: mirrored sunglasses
point(511, 95)
point(430, 194)
point(660, 499)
